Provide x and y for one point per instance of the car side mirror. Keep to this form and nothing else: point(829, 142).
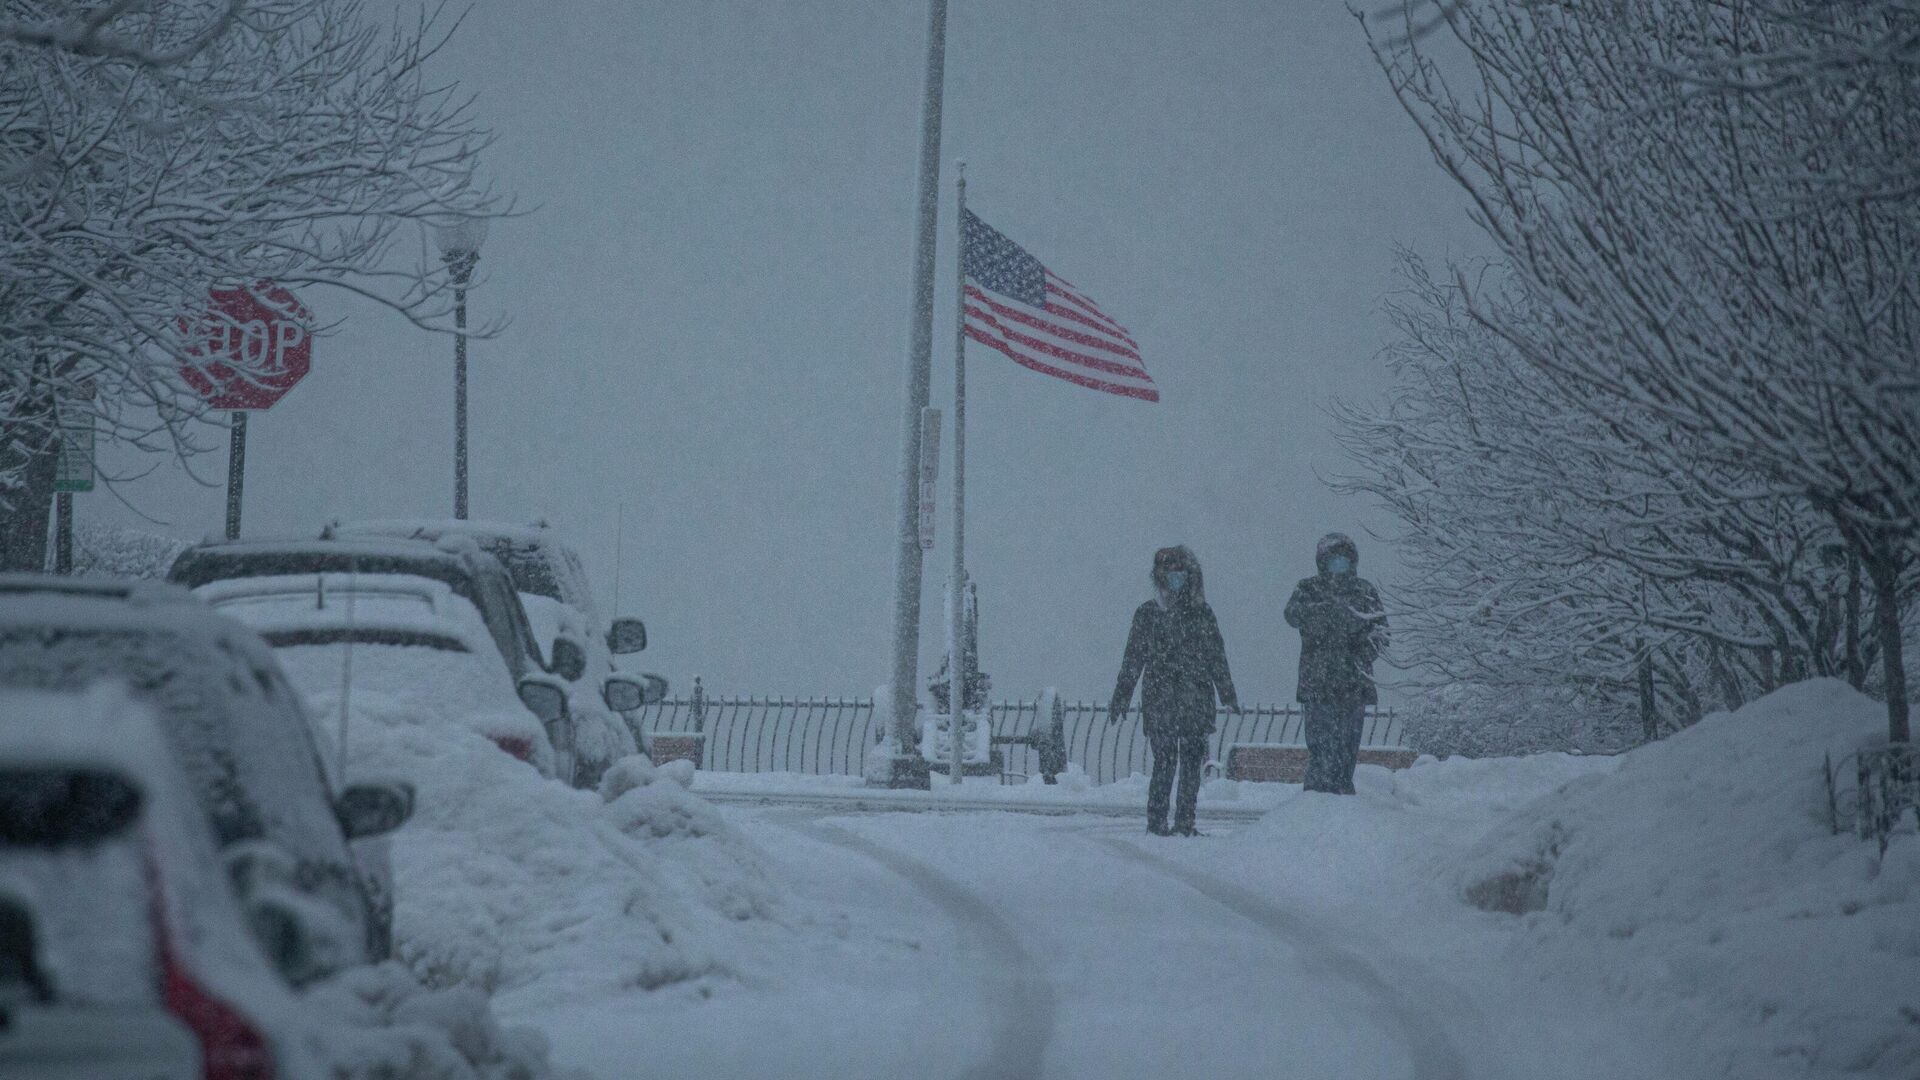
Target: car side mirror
point(542, 698)
point(279, 927)
point(625, 693)
point(569, 659)
point(374, 808)
point(627, 635)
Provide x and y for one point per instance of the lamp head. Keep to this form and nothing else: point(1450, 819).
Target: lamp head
point(460, 236)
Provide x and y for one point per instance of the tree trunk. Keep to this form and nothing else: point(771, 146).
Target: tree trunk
point(1649, 707)
point(1883, 566)
point(1856, 660)
point(27, 509)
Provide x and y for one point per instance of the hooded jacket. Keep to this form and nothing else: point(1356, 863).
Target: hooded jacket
point(1343, 627)
point(1174, 650)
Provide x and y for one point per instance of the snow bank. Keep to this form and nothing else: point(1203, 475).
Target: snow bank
point(1701, 879)
point(380, 1023)
point(523, 888)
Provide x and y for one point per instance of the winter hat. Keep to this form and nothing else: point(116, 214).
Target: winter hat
point(1335, 544)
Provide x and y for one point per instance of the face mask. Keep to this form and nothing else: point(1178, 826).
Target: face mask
point(1339, 564)
point(1176, 580)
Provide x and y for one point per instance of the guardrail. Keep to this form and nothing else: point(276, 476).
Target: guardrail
point(829, 736)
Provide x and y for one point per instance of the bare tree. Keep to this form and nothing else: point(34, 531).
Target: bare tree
point(151, 152)
point(1693, 269)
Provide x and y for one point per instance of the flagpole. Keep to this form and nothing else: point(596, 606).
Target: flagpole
point(907, 557)
point(957, 668)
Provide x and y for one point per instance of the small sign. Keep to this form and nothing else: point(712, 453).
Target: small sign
point(75, 469)
point(929, 472)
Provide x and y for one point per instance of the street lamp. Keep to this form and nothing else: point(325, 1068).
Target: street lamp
point(459, 240)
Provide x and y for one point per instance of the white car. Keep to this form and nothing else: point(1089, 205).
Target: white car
point(124, 954)
point(281, 822)
point(552, 583)
point(386, 648)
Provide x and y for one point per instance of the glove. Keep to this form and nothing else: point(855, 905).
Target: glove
point(1116, 709)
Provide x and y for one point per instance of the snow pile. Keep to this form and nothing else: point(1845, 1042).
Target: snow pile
point(1701, 880)
point(379, 1023)
point(523, 888)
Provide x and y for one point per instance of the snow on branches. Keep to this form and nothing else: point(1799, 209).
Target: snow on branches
point(150, 153)
point(1709, 287)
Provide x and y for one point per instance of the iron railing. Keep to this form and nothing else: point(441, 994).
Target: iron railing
point(1886, 784)
point(830, 736)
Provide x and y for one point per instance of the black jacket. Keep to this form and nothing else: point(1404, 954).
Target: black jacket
point(1179, 652)
point(1343, 626)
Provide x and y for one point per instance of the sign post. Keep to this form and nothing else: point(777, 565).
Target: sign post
point(73, 471)
point(248, 349)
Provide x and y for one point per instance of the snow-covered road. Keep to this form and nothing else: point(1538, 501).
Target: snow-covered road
point(997, 945)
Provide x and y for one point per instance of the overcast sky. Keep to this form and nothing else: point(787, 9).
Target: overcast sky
point(708, 307)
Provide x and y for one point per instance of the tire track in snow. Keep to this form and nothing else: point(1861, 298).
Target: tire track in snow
point(1018, 989)
point(1434, 1054)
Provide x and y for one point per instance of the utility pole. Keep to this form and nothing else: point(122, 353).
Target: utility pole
point(907, 557)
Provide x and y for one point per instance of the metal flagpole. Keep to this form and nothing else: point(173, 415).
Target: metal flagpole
point(907, 558)
point(957, 641)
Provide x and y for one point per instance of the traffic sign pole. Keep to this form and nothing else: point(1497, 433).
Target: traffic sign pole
point(63, 533)
point(236, 470)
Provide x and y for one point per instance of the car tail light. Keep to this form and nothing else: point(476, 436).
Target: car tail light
point(231, 1048)
point(517, 745)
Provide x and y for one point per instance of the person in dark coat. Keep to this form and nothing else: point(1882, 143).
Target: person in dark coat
point(1343, 627)
point(1175, 651)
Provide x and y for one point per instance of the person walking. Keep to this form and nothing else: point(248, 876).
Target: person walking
point(1343, 627)
point(1174, 650)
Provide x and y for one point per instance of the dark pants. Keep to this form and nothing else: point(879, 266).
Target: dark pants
point(1333, 744)
point(1187, 753)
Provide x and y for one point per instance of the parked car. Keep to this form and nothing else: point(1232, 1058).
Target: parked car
point(468, 573)
point(243, 739)
point(124, 954)
point(385, 648)
point(552, 583)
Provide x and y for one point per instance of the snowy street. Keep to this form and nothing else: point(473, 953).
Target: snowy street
point(979, 944)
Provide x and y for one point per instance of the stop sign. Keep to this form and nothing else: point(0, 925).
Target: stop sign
point(248, 348)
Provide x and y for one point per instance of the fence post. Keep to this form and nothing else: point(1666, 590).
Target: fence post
point(697, 707)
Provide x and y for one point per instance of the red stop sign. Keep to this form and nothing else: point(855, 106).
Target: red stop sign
point(248, 348)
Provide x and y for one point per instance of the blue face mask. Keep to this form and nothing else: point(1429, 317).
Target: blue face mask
point(1339, 564)
point(1176, 580)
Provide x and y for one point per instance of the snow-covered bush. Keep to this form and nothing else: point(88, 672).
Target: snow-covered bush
point(125, 553)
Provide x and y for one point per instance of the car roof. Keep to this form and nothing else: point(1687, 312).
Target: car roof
point(96, 585)
point(104, 726)
point(438, 611)
point(435, 528)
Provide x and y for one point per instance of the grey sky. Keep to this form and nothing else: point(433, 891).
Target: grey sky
point(708, 308)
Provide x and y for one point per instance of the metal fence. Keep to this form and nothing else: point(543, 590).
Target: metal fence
point(826, 736)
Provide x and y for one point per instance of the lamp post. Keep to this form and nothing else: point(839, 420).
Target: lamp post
point(459, 240)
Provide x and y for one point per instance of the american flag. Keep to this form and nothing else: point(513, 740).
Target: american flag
point(1025, 310)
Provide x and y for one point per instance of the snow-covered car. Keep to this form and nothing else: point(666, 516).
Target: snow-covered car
point(471, 575)
point(123, 950)
point(242, 736)
point(385, 648)
point(552, 583)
